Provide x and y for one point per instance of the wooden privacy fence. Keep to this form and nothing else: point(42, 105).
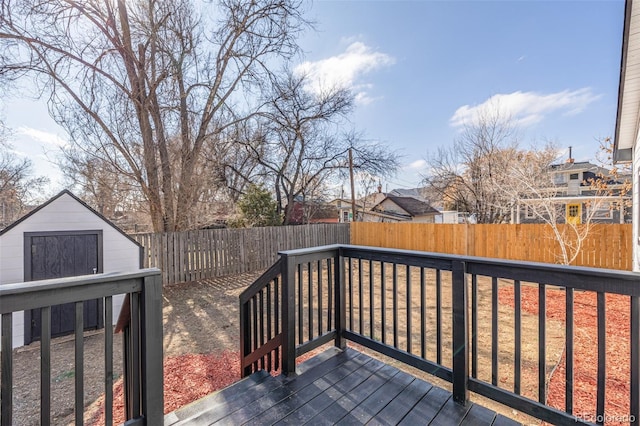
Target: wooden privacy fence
point(606, 246)
point(196, 255)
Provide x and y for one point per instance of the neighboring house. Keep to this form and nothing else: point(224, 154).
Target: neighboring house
point(367, 202)
point(572, 178)
point(627, 134)
point(63, 237)
point(344, 209)
point(406, 209)
point(575, 197)
point(373, 216)
point(324, 213)
point(313, 211)
point(454, 216)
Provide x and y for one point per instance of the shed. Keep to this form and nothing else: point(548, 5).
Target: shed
point(63, 237)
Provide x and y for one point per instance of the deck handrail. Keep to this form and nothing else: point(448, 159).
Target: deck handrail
point(143, 288)
point(260, 354)
point(342, 268)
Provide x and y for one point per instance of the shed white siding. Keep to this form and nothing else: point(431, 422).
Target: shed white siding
point(64, 213)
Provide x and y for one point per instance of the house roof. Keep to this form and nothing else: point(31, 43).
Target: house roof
point(626, 132)
point(388, 215)
point(411, 205)
point(69, 193)
point(579, 166)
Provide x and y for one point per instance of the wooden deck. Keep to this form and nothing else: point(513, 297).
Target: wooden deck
point(334, 387)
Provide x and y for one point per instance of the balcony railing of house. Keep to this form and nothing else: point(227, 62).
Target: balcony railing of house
point(445, 315)
point(142, 342)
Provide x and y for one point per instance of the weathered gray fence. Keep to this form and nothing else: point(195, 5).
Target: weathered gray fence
point(196, 255)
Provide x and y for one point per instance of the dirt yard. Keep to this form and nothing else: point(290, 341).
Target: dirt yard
point(202, 318)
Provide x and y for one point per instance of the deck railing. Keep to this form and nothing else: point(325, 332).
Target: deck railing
point(142, 340)
point(459, 318)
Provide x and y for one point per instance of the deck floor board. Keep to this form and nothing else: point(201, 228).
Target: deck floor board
point(347, 388)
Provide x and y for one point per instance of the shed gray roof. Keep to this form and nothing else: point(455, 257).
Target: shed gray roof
point(69, 193)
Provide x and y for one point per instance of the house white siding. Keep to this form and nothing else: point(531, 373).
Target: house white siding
point(64, 214)
point(424, 219)
point(626, 139)
point(636, 204)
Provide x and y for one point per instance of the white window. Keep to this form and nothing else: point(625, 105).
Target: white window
point(602, 211)
point(559, 178)
point(529, 212)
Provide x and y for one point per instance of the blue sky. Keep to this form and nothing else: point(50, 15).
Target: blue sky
point(420, 69)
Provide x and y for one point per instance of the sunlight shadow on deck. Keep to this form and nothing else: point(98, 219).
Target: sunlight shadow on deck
point(334, 387)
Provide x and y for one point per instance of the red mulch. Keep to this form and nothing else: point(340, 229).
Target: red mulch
point(187, 378)
point(617, 392)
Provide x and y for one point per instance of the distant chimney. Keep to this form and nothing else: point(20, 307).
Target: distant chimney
point(570, 160)
point(379, 187)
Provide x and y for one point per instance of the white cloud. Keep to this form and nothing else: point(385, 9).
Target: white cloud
point(42, 136)
point(18, 153)
point(346, 70)
point(526, 108)
point(417, 165)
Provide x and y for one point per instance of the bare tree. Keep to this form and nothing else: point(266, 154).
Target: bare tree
point(469, 174)
point(97, 184)
point(531, 182)
point(237, 167)
point(367, 197)
point(132, 81)
point(299, 146)
point(18, 186)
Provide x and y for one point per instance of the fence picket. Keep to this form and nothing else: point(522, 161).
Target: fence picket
point(197, 255)
point(218, 252)
point(606, 246)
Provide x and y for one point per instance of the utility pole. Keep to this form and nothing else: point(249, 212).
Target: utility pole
point(353, 191)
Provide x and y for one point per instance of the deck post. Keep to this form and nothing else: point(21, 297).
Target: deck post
point(6, 402)
point(460, 333)
point(288, 315)
point(340, 308)
point(126, 370)
point(151, 348)
point(245, 339)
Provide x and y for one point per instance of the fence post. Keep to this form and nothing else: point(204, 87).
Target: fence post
point(340, 304)
point(460, 333)
point(151, 348)
point(288, 315)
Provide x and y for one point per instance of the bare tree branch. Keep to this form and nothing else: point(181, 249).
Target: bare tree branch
point(146, 87)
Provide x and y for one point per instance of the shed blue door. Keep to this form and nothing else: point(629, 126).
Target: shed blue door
point(59, 256)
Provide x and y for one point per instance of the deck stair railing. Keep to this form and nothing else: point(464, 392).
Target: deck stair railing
point(142, 341)
point(459, 318)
